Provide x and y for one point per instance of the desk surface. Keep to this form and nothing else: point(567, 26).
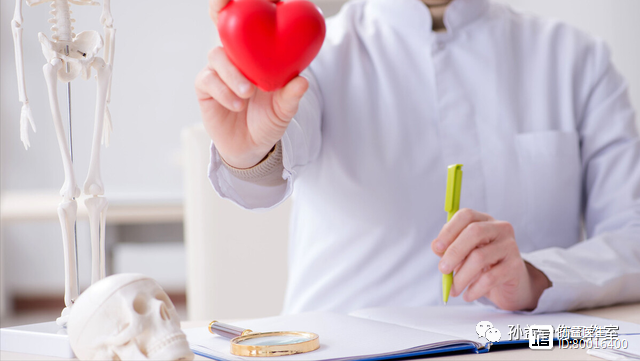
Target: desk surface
point(627, 313)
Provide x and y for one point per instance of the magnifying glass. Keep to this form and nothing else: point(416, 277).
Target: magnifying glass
point(245, 342)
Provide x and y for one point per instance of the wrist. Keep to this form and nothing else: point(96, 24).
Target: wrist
point(247, 161)
point(538, 282)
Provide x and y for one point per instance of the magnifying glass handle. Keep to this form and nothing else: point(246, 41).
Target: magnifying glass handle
point(226, 330)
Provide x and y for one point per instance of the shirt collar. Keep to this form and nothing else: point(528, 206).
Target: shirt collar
point(463, 12)
point(414, 16)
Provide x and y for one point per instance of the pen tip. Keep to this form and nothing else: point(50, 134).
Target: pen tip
point(445, 303)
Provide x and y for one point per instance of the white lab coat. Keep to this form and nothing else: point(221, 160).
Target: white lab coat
point(532, 108)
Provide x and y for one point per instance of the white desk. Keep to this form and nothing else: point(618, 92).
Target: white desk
point(628, 313)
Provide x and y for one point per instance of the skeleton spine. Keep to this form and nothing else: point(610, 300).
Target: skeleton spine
point(62, 29)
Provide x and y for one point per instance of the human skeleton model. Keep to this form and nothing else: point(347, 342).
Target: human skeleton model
point(69, 55)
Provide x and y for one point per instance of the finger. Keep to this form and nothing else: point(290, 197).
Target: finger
point(476, 263)
point(452, 229)
point(214, 8)
point(212, 111)
point(474, 235)
point(25, 142)
point(285, 100)
point(24, 135)
point(494, 277)
point(230, 75)
point(209, 85)
point(30, 117)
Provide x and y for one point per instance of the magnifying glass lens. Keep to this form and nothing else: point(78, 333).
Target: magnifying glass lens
point(274, 340)
point(245, 342)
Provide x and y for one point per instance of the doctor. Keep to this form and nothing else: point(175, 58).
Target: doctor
point(533, 108)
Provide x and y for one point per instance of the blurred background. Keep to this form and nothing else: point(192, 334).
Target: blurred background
point(160, 47)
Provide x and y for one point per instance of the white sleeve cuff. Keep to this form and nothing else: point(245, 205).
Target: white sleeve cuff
point(267, 173)
point(247, 194)
point(563, 293)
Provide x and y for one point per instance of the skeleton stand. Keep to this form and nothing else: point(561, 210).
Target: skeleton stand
point(75, 229)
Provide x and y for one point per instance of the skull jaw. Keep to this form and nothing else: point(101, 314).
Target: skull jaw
point(177, 349)
point(128, 351)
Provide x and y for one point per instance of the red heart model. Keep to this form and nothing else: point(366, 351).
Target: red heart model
point(271, 43)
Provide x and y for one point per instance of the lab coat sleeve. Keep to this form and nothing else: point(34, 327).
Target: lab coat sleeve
point(300, 145)
point(605, 268)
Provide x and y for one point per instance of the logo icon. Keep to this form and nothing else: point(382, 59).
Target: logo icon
point(493, 335)
point(485, 329)
point(482, 327)
point(541, 337)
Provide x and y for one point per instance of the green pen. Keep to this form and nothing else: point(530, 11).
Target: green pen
point(451, 206)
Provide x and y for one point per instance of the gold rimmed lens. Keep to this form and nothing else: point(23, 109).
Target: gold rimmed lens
point(269, 344)
point(245, 342)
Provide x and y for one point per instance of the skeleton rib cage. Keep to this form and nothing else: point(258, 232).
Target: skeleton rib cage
point(69, 55)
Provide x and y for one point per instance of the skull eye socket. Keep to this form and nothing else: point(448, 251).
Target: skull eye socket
point(140, 305)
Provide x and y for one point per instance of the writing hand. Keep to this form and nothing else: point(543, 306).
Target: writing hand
point(485, 257)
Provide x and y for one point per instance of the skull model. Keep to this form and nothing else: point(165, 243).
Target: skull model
point(126, 317)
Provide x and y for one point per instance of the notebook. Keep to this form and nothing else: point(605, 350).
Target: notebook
point(390, 333)
point(632, 352)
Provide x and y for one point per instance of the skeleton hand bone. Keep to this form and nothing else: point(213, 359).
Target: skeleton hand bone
point(26, 119)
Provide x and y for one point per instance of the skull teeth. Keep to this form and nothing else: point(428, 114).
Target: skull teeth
point(159, 346)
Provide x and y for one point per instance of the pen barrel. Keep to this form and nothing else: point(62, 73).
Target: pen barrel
point(226, 330)
point(450, 215)
point(447, 281)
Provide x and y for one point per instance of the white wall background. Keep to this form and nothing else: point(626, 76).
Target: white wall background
point(160, 47)
point(617, 22)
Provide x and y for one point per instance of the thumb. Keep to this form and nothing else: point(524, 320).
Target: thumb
point(285, 100)
point(214, 8)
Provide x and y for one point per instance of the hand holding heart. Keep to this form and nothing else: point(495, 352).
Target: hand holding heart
point(244, 121)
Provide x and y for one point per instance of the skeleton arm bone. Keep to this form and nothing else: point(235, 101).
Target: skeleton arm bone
point(26, 117)
point(106, 19)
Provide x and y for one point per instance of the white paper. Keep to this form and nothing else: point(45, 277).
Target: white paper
point(341, 337)
point(461, 321)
